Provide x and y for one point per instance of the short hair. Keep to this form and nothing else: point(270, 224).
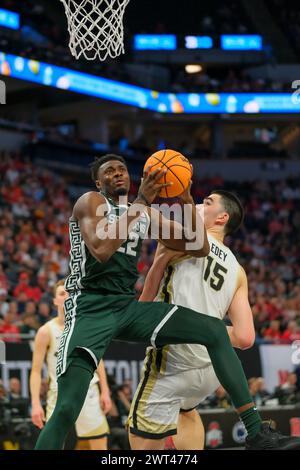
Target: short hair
point(57, 285)
point(99, 161)
point(233, 206)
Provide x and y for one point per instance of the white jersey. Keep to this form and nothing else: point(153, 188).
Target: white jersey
point(56, 331)
point(206, 285)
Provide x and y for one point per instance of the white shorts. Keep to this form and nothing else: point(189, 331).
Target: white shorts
point(162, 395)
point(91, 423)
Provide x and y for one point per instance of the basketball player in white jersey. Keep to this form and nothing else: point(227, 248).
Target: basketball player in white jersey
point(173, 385)
point(91, 424)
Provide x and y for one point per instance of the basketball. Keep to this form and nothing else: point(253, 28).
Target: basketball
point(179, 171)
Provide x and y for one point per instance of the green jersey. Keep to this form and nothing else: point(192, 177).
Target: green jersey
point(116, 276)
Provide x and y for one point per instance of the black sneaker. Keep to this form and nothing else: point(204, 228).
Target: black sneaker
point(269, 439)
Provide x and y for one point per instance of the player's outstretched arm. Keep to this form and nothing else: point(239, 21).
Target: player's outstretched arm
point(189, 237)
point(162, 257)
point(41, 343)
point(242, 332)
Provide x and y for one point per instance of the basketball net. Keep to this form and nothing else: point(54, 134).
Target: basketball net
point(95, 28)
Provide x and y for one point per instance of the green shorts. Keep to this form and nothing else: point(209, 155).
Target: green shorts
point(92, 321)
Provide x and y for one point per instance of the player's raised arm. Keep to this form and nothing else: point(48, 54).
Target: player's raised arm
point(189, 237)
point(41, 343)
point(242, 332)
point(162, 257)
point(103, 238)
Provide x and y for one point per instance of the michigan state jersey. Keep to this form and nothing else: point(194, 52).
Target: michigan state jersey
point(119, 274)
point(206, 285)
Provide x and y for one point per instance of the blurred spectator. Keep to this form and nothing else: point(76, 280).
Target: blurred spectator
point(14, 392)
point(117, 416)
point(44, 313)
point(32, 293)
point(232, 81)
point(288, 393)
point(21, 302)
point(273, 333)
point(3, 393)
point(30, 325)
point(19, 405)
point(292, 333)
point(257, 391)
point(23, 286)
point(30, 308)
point(262, 393)
point(127, 389)
point(4, 305)
point(13, 309)
point(3, 279)
point(220, 399)
point(122, 399)
point(9, 331)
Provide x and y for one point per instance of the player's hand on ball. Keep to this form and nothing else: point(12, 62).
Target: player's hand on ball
point(186, 196)
point(179, 171)
point(152, 184)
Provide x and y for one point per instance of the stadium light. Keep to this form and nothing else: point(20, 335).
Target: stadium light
point(9, 19)
point(193, 68)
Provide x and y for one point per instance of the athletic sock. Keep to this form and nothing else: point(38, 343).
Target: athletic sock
point(252, 421)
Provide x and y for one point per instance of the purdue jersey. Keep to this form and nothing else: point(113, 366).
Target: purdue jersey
point(56, 331)
point(206, 285)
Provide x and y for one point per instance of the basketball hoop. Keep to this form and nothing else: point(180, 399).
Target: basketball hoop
point(95, 28)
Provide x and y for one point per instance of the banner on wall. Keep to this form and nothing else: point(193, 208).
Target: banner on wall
point(223, 429)
point(67, 79)
point(124, 361)
point(276, 361)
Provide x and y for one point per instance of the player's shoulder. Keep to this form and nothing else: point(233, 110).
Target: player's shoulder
point(46, 327)
point(44, 333)
point(90, 196)
point(87, 202)
point(232, 255)
point(50, 323)
point(242, 275)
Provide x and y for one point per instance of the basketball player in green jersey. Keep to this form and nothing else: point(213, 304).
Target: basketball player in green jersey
point(106, 236)
point(91, 424)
